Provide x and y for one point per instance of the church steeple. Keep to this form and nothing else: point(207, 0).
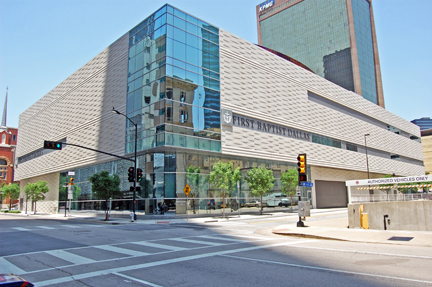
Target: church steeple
point(3, 122)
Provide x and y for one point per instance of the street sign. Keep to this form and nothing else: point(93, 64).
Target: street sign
point(306, 183)
point(298, 191)
point(70, 192)
point(71, 173)
point(187, 189)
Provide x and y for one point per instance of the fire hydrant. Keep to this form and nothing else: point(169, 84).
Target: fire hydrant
point(132, 216)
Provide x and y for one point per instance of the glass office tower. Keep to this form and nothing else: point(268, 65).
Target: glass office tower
point(335, 39)
point(173, 96)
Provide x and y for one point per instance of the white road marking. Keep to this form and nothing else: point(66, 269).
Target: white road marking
point(73, 258)
point(161, 246)
point(21, 228)
point(157, 263)
point(121, 250)
point(7, 267)
point(45, 227)
point(252, 237)
point(328, 269)
point(363, 252)
point(196, 241)
point(71, 226)
point(136, 279)
point(223, 238)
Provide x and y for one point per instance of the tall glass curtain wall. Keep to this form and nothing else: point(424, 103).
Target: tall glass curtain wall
point(316, 33)
point(167, 174)
point(173, 92)
point(363, 35)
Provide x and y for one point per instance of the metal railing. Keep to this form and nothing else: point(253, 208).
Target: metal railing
point(390, 197)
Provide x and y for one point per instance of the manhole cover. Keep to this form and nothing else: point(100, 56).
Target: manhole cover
point(396, 238)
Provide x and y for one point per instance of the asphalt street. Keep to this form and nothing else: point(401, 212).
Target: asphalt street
point(58, 252)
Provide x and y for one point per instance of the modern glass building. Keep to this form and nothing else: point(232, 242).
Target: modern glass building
point(335, 39)
point(424, 123)
point(199, 95)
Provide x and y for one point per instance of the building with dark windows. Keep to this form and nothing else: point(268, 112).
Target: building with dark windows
point(424, 123)
point(200, 94)
point(336, 39)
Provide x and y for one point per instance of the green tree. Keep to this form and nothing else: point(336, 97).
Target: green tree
point(105, 186)
point(193, 178)
point(36, 191)
point(29, 190)
point(260, 181)
point(289, 182)
point(224, 177)
point(2, 185)
point(12, 191)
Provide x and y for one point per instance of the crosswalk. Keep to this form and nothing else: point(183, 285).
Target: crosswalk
point(83, 255)
point(60, 226)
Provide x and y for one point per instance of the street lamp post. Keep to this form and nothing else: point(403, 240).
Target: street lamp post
point(135, 161)
point(367, 159)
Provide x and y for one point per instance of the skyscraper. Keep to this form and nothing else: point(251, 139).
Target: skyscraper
point(335, 39)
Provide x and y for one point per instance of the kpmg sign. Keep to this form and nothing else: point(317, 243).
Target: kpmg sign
point(230, 119)
point(266, 5)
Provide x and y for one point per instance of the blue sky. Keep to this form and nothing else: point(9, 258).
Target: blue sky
point(42, 42)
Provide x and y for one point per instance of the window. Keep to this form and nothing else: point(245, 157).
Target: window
point(414, 138)
point(326, 141)
point(393, 129)
point(351, 147)
point(169, 93)
point(14, 137)
point(182, 97)
point(395, 156)
point(3, 139)
point(169, 114)
point(183, 114)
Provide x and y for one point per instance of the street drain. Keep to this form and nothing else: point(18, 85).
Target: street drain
point(398, 238)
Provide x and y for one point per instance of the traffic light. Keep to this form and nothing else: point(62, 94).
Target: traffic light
point(52, 145)
point(139, 174)
point(131, 174)
point(301, 163)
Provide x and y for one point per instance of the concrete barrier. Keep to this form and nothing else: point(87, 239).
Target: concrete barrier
point(406, 215)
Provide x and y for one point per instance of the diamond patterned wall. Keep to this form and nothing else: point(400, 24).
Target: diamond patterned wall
point(78, 109)
point(259, 84)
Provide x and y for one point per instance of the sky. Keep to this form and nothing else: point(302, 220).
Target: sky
point(42, 42)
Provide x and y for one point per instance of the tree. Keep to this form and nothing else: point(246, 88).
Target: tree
point(36, 191)
point(28, 190)
point(224, 178)
point(193, 180)
point(105, 186)
point(2, 185)
point(289, 182)
point(260, 181)
point(12, 191)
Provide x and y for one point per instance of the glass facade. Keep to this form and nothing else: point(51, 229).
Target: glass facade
point(424, 123)
point(173, 83)
point(166, 175)
point(316, 33)
point(363, 34)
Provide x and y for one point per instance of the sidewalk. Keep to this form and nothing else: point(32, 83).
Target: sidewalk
point(337, 229)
